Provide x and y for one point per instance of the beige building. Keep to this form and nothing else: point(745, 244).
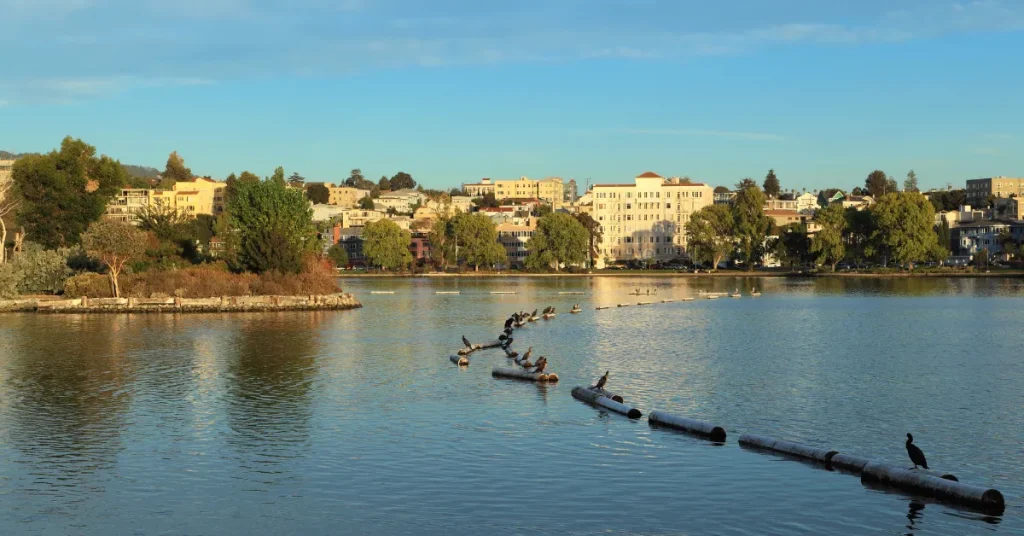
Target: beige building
point(807, 203)
point(191, 198)
point(479, 189)
point(979, 190)
point(359, 218)
point(345, 196)
point(549, 190)
point(646, 220)
point(6, 169)
point(514, 236)
point(401, 200)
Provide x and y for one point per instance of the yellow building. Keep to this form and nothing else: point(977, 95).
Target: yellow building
point(979, 190)
point(345, 196)
point(6, 169)
point(646, 220)
point(549, 190)
point(191, 198)
point(479, 189)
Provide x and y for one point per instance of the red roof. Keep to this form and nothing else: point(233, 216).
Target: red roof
point(649, 175)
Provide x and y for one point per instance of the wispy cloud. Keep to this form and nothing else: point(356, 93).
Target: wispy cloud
point(71, 90)
point(694, 132)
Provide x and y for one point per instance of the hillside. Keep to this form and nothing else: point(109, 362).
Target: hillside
point(144, 172)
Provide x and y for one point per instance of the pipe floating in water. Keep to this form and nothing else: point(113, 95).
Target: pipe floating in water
point(688, 299)
point(693, 426)
point(623, 305)
point(447, 292)
point(459, 360)
point(667, 301)
point(475, 347)
point(986, 499)
point(520, 374)
point(787, 447)
point(609, 394)
point(382, 292)
point(643, 303)
point(575, 311)
point(511, 354)
point(602, 308)
point(503, 292)
point(549, 316)
point(570, 293)
point(598, 398)
point(849, 462)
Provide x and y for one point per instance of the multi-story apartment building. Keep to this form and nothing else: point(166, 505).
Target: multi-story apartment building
point(479, 189)
point(807, 203)
point(190, 198)
point(646, 220)
point(549, 190)
point(345, 196)
point(513, 237)
point(570, 193)
point(401, 200)
point(979, 190)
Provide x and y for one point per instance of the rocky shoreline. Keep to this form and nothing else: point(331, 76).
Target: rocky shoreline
point(224, 304)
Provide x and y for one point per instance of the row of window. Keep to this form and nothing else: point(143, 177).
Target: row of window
point(616, 252)
point(647, 195)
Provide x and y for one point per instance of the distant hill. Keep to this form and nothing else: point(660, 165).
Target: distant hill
point(143, 172)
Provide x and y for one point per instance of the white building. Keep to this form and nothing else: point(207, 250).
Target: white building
point(646, 220)
point(807, 203)
point(401, 200)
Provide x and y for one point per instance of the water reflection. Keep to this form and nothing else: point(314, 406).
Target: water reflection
point(913, 515)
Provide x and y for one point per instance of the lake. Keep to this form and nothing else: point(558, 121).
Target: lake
point(355, 422)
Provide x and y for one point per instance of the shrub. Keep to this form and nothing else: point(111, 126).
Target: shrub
point(8, 282)
point(41, 271)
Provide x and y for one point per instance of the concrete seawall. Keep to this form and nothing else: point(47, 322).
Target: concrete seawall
point(327, 302)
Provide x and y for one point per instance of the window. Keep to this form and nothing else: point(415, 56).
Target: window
point(668, 205)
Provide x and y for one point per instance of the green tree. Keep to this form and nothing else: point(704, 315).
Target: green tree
point(877, 183)
point(115, 244)
point(384, 184)
point(891, 185)
point(366, 203)
point(860, 230)
point(828, 241)
point(793, 246)
point(402, 181)
point(175, 170)
point(477, 240)
point(903, 226)
point(722, 189)
point(710, 234)
point(296, 180)
point(559, 239)
point(771, 185)
point(375, 192)
point(10, 198)
point(442, 242)
point(752, 225)
point(486, 201)
point(355, 178)
point(278, 176)
point(387, 245)
point(543, 209)
point(943, 235)
point(318, 193)
point(910, 185)
point(270, 228)
point(64, 191)
point(338, 255)
point(746, 183)
point(594, 234)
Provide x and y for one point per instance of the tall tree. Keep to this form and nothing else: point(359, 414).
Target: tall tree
point(278, 176)
point(771, 185)
point(594, 234)
point(477, 240)
point(384, 184)
point(559, 239)
point(710, 234)
point(442, 242)
point(402, 181)
point(175, 169)
point(271, 226)
point(9, 200)
point(115, 244)
point(64, 191)
point(746, 183)
point(752, 225)
point(338, 256)
point(891, 185)
point(296, 180)
point(722, 189)
point(910, 185)
point(318, 193)
point(543, 209)
point(354, 178)
point(793, 246)
point(903, 225)
point(487, 201)
point(943, 235)
point(387, 245)
point(366, 203)
point(877, 183)
point(860, 230)
point(828, 241)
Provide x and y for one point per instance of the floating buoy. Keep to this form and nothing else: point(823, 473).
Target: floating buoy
point(787, 447)
point(459, 360)
point(598, 398)
point(693, 426)
point(520, 374)
point(382, 292)
point(986, 499)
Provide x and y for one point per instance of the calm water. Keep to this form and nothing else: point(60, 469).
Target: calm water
point(355, 422)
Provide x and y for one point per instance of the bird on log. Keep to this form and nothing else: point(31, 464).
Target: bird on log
point(508, 323)
point(506, 344)
point(915, 453)
point(541, 364)
point(534, 313)
point(529, 352)
point(466, 342)
point(604, 379)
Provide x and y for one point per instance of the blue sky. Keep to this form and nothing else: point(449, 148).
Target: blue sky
point(454, 90)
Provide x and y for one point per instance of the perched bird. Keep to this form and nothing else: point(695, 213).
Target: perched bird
point(508, 323)
point(602, 381)
point(525, 364)
point(502, 337)
point(534, 313)
point(541, 364)
point(506, 344)
point(915, 453)
point(466, 342)
point(529, 352)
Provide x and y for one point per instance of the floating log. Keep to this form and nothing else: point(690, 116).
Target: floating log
point(712, 297)
point(644, 303)
point(693, 426)
point(382, 292)
point(986, 499)
point(520, 374)
point(570, 293)
point(667, 301)
point(849, 462)
point(447, 292)
point(688, 299)
point(549, 316)
point(787, 447)
point(459, 360)
point(532, 319)
point(602, 308)
point(598, 398)
point(470, 349)
point(623, 305)
point(575, 311)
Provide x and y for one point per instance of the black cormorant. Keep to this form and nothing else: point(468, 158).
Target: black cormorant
point(915, 453)
point(602, 381)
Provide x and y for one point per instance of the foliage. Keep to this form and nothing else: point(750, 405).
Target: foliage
point(860, 228)
point(9, 279)
point(271, 226)
point(477, 239)
point(10, 198)
point(442, 242)
point(278, 176)
point(386, 245)
point(296, 180)
point(793, 245)
point(318, 193)
point(366, 203)
point(752, 225)
point(746, 183)
point(356, 180)
point(594, 234)
point(559, 239)
point(981, 258)
point(384, 183)
point(943, 234)
point(910, 185)
point(543, 209)
point(771, 184)
point(35, 271)
point(402, 181)
point(877, 183)
point(903, 225)
point(337, 255)
point(948, 200)
point(722, 189)
point(825, 195)
point(64, 191)
point(115, 244)
point(487, 201)
point(828, 241)
point(710, 234)
point(175, 169)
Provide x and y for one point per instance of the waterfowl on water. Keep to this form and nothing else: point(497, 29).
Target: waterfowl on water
point(508, 323)
point(601, 382)
point(541, 364)
point(915, 453)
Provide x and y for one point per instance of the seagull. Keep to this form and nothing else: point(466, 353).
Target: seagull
point(466, 342)
point(602, 381)
point(915, 453)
